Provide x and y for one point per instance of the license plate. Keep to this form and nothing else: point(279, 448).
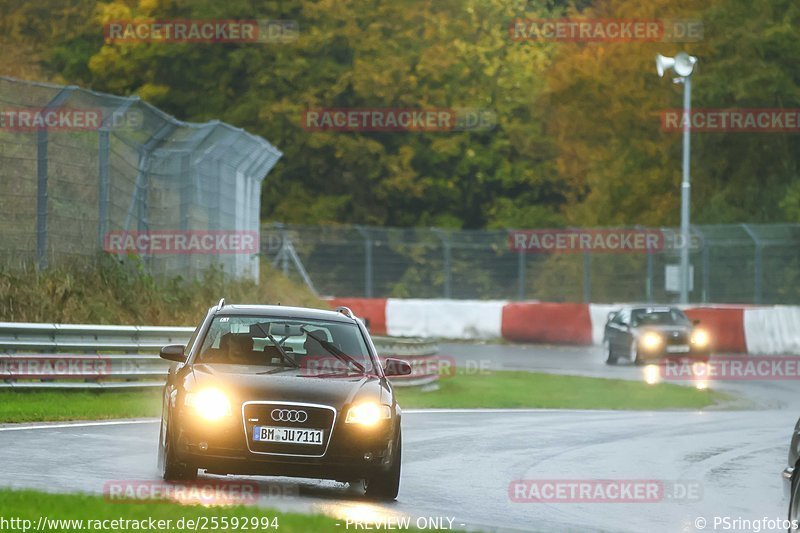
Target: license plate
point(678, 349)
point(287, 435)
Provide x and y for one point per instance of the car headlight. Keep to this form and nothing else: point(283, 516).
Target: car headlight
point(211, 404)
point(700, 338)
point(368, 414)
point(651, 341)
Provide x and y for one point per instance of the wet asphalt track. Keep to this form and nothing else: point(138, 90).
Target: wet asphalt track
point(459, 464)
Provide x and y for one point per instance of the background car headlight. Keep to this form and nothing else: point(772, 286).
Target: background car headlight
point(651, 341)
point(368, 414)
point(210, 404)
point(700, 338)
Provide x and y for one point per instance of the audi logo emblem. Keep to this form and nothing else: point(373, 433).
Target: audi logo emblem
point(289, 415)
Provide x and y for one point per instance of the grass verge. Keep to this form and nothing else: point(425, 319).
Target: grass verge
point(109, 292)
point(509, 389)
point(60, 509)
point(503, 389)
point(52, 405)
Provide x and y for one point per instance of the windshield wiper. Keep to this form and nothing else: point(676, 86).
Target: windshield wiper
point(284, 356)
point(336, 352)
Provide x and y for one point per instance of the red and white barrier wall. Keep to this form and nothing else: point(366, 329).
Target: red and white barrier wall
point(773, 330)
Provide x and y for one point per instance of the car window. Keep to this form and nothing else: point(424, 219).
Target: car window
point(249, 340)
point(658, 317)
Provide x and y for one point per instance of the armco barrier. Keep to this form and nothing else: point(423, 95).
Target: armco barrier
point(736, 329)
point(373, 310)
point(551, 323)
point(456, 319)
point(772, 330)
point(67, 355)
point(725, 326)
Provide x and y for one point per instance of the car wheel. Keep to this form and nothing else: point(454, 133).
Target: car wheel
point(171, 469)
point(387, 486)
point(794, 501)
point(611, 359)
point(634, 354)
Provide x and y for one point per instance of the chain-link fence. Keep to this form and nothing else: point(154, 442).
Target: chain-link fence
point(82, 172)
point(742, 263)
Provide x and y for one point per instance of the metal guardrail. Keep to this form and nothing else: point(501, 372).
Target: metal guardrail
point(83, 356)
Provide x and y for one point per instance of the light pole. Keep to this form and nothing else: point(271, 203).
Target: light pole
point(683, 65)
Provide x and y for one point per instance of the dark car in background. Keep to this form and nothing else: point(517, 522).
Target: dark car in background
point(791, 483)
point(283, 391)
point(650, 333)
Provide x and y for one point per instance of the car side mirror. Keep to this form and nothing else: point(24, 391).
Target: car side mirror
point(396, 367)
point(173, 352)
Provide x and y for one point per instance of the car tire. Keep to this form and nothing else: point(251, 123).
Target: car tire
point(387, 485)
point(171, 469)
point(794, 500)
point(611, 359)
point(634, 353)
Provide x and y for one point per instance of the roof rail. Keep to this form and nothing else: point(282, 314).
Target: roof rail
point(345, 311)
point(221, 304)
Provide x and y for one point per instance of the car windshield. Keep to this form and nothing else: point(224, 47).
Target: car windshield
point(317, 347)
point(659, 317)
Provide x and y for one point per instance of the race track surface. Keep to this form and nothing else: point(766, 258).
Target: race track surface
point(460, 464)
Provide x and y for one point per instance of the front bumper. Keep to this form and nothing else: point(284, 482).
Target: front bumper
point(351, 452)
point(661, 353)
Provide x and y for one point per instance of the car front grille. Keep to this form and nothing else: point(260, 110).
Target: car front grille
point(290, 415)
point(676, 338)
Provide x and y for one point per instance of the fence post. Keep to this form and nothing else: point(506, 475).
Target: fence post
point(447, 290)
point(368, 292)
point(757, 257)
point(103, 154)
point(102, 192)
point(706, 264)
point(521, 274)
point(42, 170)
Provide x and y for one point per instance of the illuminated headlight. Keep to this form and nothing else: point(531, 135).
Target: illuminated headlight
point(210, 404)
point(651, 341)
point(700, 338)
point(368, 414)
